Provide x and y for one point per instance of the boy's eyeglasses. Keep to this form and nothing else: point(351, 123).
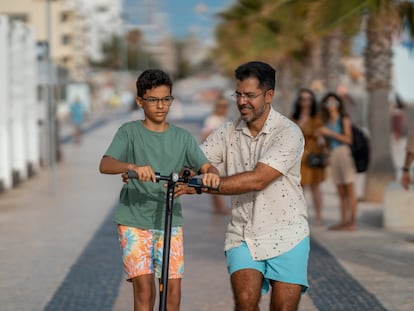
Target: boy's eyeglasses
point(238, 96)
point(153, 101)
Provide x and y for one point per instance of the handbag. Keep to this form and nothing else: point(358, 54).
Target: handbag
point(318, 160)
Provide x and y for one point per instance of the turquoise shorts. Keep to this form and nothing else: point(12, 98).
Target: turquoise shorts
point(290, 267)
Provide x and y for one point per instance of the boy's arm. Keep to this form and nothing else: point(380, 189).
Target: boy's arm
point(209, 168)
point(110, 165)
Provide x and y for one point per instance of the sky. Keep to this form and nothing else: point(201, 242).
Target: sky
point(180, 16)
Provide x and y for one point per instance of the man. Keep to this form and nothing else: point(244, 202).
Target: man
point(267, 240)
point(212, 122)
point(409, 158)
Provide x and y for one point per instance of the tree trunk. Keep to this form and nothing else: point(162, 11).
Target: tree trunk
point(332, 52)
point(378, 64)
point(285, 98)
point(313, 65)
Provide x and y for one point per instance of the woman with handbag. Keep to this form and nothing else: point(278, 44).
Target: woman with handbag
point(338, 133)
point(314, 158)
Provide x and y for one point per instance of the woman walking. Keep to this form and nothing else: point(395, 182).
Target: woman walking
point(338, 132)
point(305, 115)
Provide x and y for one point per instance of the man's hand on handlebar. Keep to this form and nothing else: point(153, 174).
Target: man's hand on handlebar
point(211, 180)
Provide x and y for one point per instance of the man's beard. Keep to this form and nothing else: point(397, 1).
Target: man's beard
point(256, 115)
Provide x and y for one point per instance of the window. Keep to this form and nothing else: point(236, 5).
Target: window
point(66, 39)
point(19, 17)
point(64, 17)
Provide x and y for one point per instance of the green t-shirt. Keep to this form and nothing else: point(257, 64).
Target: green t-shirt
point(142, 204)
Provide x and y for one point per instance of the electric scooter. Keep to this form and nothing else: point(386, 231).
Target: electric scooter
point(172, 179)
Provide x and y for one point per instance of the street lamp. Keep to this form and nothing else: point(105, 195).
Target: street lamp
point(51, 104)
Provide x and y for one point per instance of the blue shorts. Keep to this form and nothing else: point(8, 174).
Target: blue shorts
point(290, 267)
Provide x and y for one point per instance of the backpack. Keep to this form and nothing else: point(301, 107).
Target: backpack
point(360, 149)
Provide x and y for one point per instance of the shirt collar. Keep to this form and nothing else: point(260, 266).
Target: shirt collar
point(268, 126)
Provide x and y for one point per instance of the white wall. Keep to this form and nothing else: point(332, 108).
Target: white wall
point(19, 131)
point(5, 165)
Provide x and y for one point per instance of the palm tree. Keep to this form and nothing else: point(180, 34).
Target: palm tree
point(378, 68)
point(263, 30)
point(382, 16)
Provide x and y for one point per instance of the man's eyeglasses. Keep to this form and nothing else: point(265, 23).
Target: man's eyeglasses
point(153, 101)
point(238, 96)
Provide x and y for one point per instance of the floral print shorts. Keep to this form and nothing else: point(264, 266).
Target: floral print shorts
point(142, 251)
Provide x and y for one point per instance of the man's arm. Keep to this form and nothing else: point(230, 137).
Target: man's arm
point(256, 180)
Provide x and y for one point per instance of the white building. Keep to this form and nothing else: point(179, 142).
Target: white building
point(103, 20)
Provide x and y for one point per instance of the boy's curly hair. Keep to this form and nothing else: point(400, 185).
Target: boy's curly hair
point(151, 78)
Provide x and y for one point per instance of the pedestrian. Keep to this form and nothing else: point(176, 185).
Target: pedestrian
point(397, 118)
point(409, 158)
point(77, 117)
point(146, 146)
point(259, 156)
point(338, 132)
point(211, 123)
point(305, 114)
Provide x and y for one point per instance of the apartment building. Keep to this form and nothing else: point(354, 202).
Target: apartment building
point(67, 30)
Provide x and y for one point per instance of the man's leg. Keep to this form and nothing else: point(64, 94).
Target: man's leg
point(247, 285)
point(144, 292)
point(285, 296)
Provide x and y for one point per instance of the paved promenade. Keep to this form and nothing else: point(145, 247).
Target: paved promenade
point(59, 249)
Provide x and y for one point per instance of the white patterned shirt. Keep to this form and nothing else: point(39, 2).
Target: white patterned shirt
point(274, 220)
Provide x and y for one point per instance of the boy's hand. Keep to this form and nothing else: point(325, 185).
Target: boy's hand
point(145, 173)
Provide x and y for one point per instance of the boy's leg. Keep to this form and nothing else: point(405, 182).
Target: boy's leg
point(144, 292)
point(137, 245)
point(174, 295)
point(176, 264)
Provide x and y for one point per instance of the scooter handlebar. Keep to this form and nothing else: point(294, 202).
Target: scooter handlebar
point(197, 182)
point(194, 182)
point(174, 177)
point(158, 176)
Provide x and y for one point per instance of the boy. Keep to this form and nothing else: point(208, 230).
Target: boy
point(146, 146)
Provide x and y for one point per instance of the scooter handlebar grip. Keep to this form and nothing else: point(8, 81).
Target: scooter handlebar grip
point(132, 174)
